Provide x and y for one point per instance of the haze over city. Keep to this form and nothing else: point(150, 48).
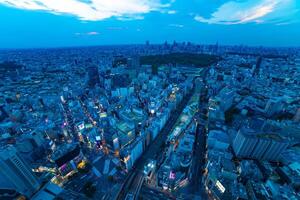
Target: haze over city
point(47, 23)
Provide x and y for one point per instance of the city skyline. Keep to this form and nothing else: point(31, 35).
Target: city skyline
point(89, 23)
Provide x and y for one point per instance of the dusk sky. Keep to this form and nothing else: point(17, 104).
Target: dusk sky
point(59, 23)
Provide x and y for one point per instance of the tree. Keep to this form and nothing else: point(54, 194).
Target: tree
point(89, 189)
point(197, 60)
point(110, 178)
point(229, 114)
point(154, 69)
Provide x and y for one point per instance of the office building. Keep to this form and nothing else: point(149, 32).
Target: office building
point(133, 64)
point(93, 76)
point(67, 158)
point(15, 173)
point(250, 144)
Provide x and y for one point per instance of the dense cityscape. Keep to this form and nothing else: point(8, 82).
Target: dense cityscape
point(151, 121)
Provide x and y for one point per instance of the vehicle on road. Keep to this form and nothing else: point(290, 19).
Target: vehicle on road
point(129, 196)
point(149, 167)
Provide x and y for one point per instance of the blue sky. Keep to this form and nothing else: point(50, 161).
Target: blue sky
point(57, 23)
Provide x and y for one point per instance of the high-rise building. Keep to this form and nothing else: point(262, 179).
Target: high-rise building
point(227, 95)
point(93, 76)
point(274, 150)
point(262, 146)
point(274, 106)
point(15, 173)
point(244, 143)
point(133, 64)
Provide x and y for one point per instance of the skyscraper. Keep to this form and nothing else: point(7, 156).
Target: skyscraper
point(15, 173)
point(262, 146)
point(133, 64)
point(244, 143)
point(93, 75)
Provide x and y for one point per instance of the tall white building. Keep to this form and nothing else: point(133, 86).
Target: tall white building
point(250, 144)
point(274, 106)
point(244, 143)
point(15, 173)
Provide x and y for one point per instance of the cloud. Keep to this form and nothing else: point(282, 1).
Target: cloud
point(92, 33)
point(91, 10)
point(176, 25)
point(116, 28)
point(250, 11)
point(130, 17)
point(172, 12)
point(166, 10)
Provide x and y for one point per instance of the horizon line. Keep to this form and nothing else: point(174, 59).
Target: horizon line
point(141, 44)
